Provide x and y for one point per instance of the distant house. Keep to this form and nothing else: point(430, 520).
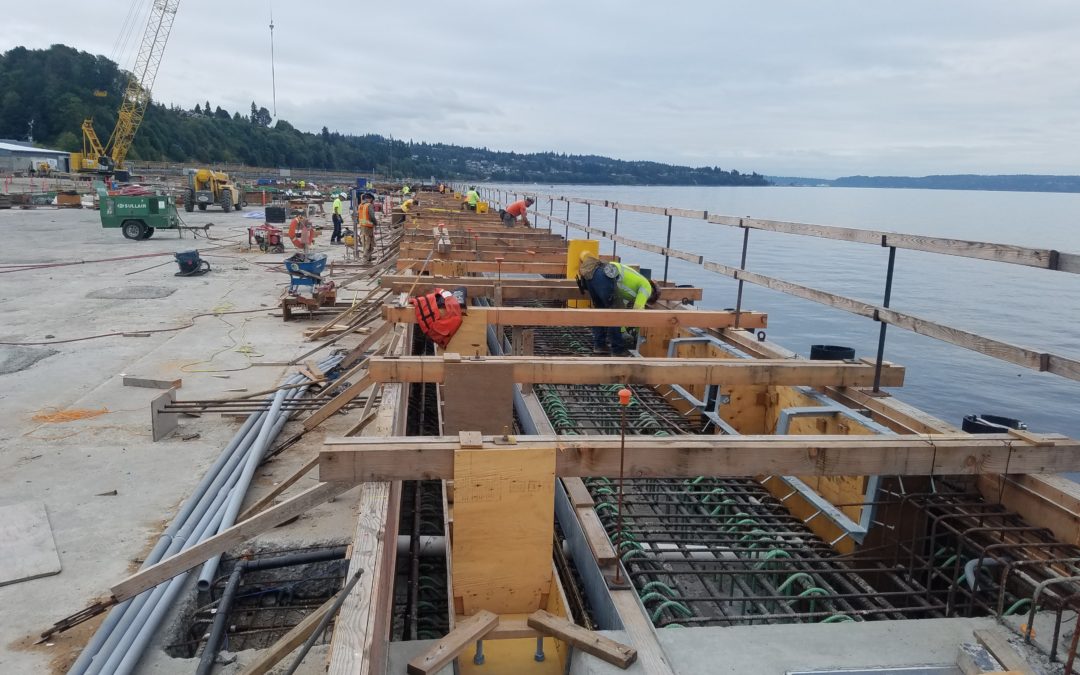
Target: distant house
point(20, 156)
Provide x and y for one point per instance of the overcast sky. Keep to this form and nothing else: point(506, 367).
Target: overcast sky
point(825, 88)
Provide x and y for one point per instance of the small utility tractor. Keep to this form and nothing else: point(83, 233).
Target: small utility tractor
point(206, 187)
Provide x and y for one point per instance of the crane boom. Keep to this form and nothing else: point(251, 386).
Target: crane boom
point(136, 94)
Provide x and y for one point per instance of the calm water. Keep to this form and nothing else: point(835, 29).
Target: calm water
point(1026, 306)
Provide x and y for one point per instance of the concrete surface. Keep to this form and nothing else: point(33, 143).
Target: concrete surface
point(74, 466)
point(777, 650)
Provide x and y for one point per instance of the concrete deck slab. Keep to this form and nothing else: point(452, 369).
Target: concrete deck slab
point(108, 488)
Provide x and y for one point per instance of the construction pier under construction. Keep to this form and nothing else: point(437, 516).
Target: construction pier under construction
point(513, 502)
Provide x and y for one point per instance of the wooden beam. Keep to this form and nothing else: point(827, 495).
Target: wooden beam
point(338, 402)
point(352, 460)
point(447, 649)
point(517, 289)
point(475, 267)
point(284, 485)
point(545, 316)
point(484, 252)
point(605, 370)
point(1007, 656)
point(508, 254)
point(590, 642)
point(225, 540)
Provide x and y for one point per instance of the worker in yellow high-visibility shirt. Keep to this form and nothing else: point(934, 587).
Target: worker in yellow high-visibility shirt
point(335, 238)
point(471, 198)
point(398, 216)
point(613, 285)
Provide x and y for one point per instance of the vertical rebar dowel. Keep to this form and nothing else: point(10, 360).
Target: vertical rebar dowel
point(667, 246)
point(742, 266)
point(624, 401)
point(615, 243)
point(881, 334)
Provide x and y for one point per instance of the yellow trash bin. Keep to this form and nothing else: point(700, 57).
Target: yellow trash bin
point(481, 207)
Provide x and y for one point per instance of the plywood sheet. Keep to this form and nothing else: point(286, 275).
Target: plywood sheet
point(504, 502)
point(478, 397)
point(27, 549)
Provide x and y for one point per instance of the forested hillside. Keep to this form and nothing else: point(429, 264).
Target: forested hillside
point(56, 89)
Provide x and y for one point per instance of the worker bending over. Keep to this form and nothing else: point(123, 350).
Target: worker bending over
point(613, 285)
point(365, 217)
point(518, 209)
point(397, 219)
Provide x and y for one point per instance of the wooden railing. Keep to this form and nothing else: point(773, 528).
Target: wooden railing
point(1049, 259)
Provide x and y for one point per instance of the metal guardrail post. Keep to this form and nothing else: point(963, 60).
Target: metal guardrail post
point(551, 211)
point(884, 326)
point(742, 266)
point(614, 243)
point(667, 246)
point(566, 235)
point(588, 221)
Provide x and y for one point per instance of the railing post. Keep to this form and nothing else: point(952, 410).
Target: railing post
point(667, 258)
point(881, 334)
point(551, 211)
point(588, 221)
point(614, 243)
point(566, 235)
point(742, 266)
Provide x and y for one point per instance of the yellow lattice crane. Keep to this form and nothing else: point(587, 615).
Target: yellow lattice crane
point(110, 156)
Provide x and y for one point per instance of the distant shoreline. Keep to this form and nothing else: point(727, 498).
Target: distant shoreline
point(987, 183)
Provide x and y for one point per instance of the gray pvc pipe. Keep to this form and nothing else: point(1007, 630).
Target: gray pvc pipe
point(135, 618)
point(146, 630)
point(271, 426)
point(105, 630)
point(222, 471)
point(211, 499)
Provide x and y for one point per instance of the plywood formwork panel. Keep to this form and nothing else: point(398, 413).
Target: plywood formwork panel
point(503, 528)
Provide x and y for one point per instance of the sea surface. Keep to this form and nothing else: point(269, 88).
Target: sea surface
point(1022, 305)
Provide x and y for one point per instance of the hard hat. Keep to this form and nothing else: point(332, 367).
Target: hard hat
point(585, 255)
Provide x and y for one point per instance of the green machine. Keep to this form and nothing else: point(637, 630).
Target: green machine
point(137, 216)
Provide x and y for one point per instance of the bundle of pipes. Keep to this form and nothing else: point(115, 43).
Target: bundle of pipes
point(212, 507)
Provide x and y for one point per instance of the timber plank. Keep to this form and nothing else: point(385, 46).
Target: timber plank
point(597, 536)
point(547, 316)
point(353, 460)
point(577, 492)
point(224, 540)
point(447, 649)
point(683, 371)
point(338, 402)
point(360, 632)
point(590, 642)
point(1007, 656)
point(284, 485)
point(290, 641)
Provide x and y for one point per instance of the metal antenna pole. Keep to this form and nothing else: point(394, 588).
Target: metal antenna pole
point(273, 74)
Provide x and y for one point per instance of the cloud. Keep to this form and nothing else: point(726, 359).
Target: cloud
point(828, 88)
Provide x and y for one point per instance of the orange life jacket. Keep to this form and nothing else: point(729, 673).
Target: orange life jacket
point(438, 323)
